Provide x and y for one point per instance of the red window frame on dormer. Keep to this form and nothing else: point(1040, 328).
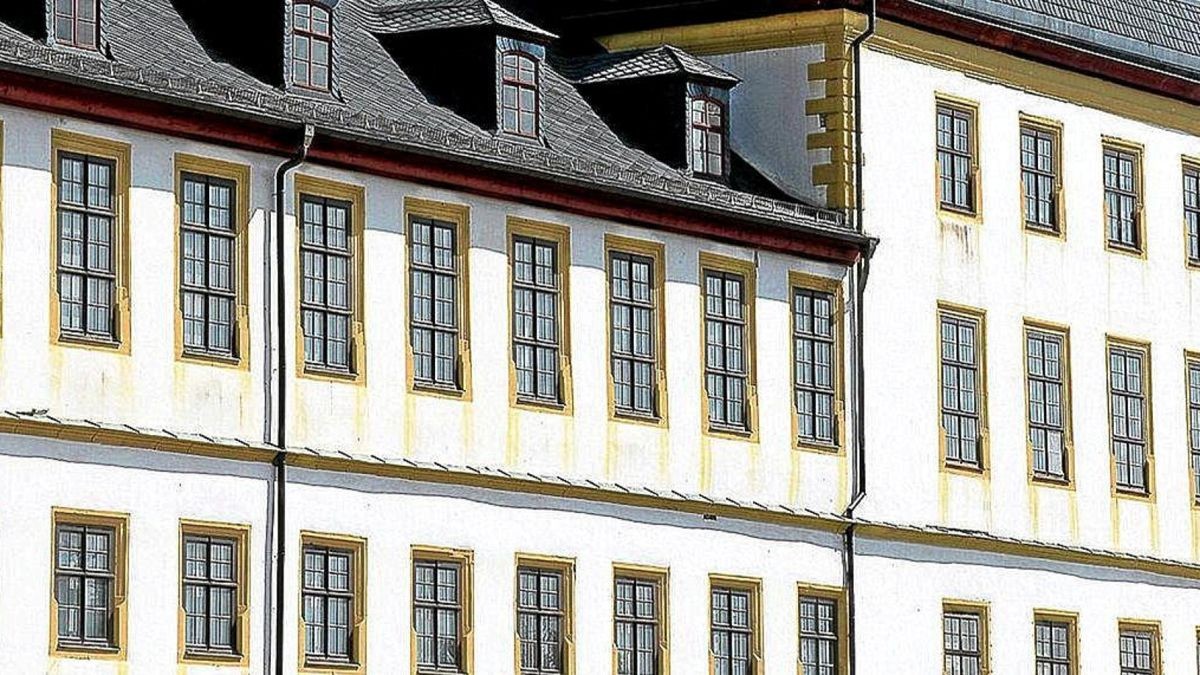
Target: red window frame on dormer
point(707, 128)
point(312, 32)
point(519, 93)
point(77, 23)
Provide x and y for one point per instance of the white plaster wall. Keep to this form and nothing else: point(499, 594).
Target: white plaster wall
point(996, 267)
point(150, 388)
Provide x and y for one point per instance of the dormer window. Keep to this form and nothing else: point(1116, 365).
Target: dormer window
point(312, 45)
point(519, 94)
point(708, 137)
point(77, 23)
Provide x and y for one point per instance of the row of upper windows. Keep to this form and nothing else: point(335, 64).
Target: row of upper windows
point(89, 605)
point(1042, 204)
point(963, 409)
point(91, 186)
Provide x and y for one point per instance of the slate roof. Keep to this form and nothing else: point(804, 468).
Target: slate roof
point(155, 55)
point(1162, 34)
point(404, 16)
point(664, 60)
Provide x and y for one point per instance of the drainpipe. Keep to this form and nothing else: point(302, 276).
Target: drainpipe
point(858, 376)
point(280, 461)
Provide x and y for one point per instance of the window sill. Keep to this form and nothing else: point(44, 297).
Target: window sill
point(963, 468)
point(330, 374)
point(224, 658)
point(541, 405)
point(1133, 493)
point(735, 433)
point(439, 390)
point(69, 339)
point(1122, 249)
point(1043, 231)
point(327, 665)
point(87, 651)
point(821, 447)
point(634, 417)
point(1052, 481)
point(210, 358)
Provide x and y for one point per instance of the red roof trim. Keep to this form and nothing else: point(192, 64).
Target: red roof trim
point(78, 101)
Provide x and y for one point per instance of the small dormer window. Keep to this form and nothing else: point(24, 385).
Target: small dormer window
point(519, 94)
point(77, 23)
point(708, 137)
point(312, 45)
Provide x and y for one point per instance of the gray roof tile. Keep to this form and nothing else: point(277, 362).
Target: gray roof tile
point(664, 60)
point(403, 16)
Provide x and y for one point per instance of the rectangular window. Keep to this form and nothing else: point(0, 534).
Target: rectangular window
point(964, 642)
point(1122, 198)
point(956, 157)
point(728, 356)
point(441, 610)
point(815, 348)
point(1193, 394)
point(88, 599)
point(633, 311)
point(1129, 415)
point(208, 264)
point(734, 628)
point(1139, 650)
point(1191, 211)
point(434, 303)
point(544, 616)
point(1054, 646)
point(640, 632)
point(77, 23)
point(1046, 372)
point(819, 653)
point(210, 584)
point(962, 388)
point(1040, 182)
point(86, 225)
point(312, 45)
point(540, 259)
point(328, 604)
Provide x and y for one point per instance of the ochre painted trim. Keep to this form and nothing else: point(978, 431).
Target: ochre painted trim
point(466, 592)
point(1138, 151)
point(752, 586)
point(953, 310)
point(841, 616)
point(811, 282)
point(1063, 332)
point(565, 568)
point(973, 216)
point(661, 578)
point(357, 548)
point(1054, 129)
point(748, 270)
point(1142, 346)
point(655, 251)
point(1071, 619)
point(240, 535)
point(981, 610)
point(119, 524)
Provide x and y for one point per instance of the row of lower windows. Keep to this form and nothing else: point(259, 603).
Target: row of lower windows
point(89, 603)
point(1048, 402)
point(1042, 179)
point(91, 181)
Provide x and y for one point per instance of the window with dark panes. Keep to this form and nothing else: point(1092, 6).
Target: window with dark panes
point(813, 343)
point(636, 622)
point(519, 94)
point(84, 580)
point(732, 632)
point(77, 23)
point(1138, 652)
point(437, 615)
point(818, 636)
point(208, 266)
point(86, 229)
point(537, 284)
point(1193, 376)
point(540, 620)
point(725, 364)
point(961, 389)
point(633, 314)
point(312, 45)
point(956, 157)
point(1052, 648)
point(210, 587)
point(328, 604)
point(1122, 208)
point(708, 137)
point(326, 268)
point(962, 643)
point(1191, 211)
point(1045, 376)
point(434, 302)
point(1128, 412)
point(1039, 169)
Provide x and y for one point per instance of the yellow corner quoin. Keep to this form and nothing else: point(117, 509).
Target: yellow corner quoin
point(357, 548)
point(661, 578)
point(458, 215)
point(565, 568)
point(239, 534)
point(748, 271)
point(799, 281)
point(120, 154)
point(656, 252)
point(466, 593)
point(118, 643)
point(560, 237)
point(355, 195)
point(239, 175)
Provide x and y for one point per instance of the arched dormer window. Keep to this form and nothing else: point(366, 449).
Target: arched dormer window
point(708, 137)
point(312, 45)
point(519, 94)
point(77, 23)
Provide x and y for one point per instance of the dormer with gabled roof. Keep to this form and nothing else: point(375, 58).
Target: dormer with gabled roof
point(664, 101)
point(489, 61)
